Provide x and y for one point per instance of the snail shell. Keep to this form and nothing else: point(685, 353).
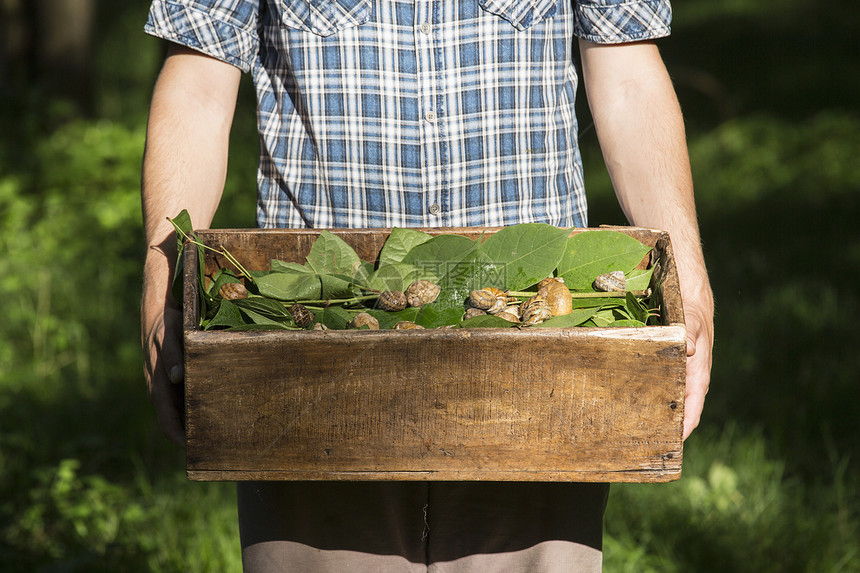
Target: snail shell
point(610, 282)
point(557, 296)
point(482, 299)
point(319, 326)
point(473, 312)
point(509, 316)
point(515, 309)
point(301, 315)
point(407, 325)
point(363, 319)
point(422, 292)
point(233, 291)
point(491, 299)
point(535, 311)
point(392, 300)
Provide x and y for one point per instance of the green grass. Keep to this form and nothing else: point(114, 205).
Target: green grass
point(770, 480)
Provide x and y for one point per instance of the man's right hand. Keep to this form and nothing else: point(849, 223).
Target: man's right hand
point(161, 325)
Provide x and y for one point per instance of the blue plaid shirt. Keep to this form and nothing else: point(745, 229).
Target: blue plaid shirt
point(381, 113)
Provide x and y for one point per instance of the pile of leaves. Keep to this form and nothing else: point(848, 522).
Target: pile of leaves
point(335, 284)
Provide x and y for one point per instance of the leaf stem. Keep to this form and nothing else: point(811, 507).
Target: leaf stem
point(573, 294)
point(222, 251)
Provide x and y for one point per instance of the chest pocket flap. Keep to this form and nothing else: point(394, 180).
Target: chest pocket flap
point(521, 13)
point(323, 17)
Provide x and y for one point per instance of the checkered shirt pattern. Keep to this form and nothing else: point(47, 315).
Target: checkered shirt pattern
point(427, 113)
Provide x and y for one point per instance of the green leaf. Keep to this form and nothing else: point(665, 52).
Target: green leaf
point(636, 308)
point(387, 319)
point(438, 254)
point(639, 279)
point(470, 273)
point(575, 318)
point(336, 286)
point(593, 253)
point(264, 306)
point(184, 230)
point(526, 253)
point(439, 313)
point(399, 242)
point(626, 323)
point(332, 255)
point(397, 276)
point(228, 315)
point(263, 320)
point(290, 282)
point(597, 302)
point(362, 275)
point(457, 262)
point(334, 317)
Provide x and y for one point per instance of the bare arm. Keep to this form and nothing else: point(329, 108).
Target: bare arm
point(641, 134)
point(184, 167)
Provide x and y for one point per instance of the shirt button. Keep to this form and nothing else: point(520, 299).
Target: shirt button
point(425, 28)
point(435, 209)
point(430, 116)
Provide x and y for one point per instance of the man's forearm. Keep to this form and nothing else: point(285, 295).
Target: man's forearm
point(185, 161)
point(641, 133)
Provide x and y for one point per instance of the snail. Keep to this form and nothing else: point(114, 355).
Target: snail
point(489, 299)
point(364, 320)
point(610, 282)
point(392, 300)
point(535, 310)
point(473, 312)
point(407, 325)
point(233, 291)
point(301, 315)
point(557, 296)
point(509, 316)
point(422, 292)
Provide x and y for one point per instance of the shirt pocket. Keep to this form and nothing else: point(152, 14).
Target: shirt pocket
point(521, 13)
point(323, 17)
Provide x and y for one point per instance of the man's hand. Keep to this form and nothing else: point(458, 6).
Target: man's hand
point(161, 329)
point(699, 319)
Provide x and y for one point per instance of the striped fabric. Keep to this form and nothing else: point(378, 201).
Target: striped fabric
point(380, 113)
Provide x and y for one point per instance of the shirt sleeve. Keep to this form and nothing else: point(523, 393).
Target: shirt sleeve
point(223, 29)
point(619, 21)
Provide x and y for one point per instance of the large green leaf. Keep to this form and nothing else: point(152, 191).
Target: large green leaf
point(331, 255)
point(526, 253)
point(397, 276)
point(267, 307)
point(593, 253)
point(639, 279)
point(388, 319)
point(291, 281)
point(334, 317)
point(399, 242)
point(438, 254)
point(575, 318)
point(228, 316)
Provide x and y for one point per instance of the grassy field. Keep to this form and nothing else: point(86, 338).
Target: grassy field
point(771, 477)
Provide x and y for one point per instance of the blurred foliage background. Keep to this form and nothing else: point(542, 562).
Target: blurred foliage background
point(770, 91)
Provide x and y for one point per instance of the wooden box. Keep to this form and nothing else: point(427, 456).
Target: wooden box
point(539, 404)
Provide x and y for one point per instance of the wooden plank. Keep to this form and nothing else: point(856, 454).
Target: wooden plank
point(485, 404)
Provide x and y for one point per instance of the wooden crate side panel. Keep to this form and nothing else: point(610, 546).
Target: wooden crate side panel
point(355, 404)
